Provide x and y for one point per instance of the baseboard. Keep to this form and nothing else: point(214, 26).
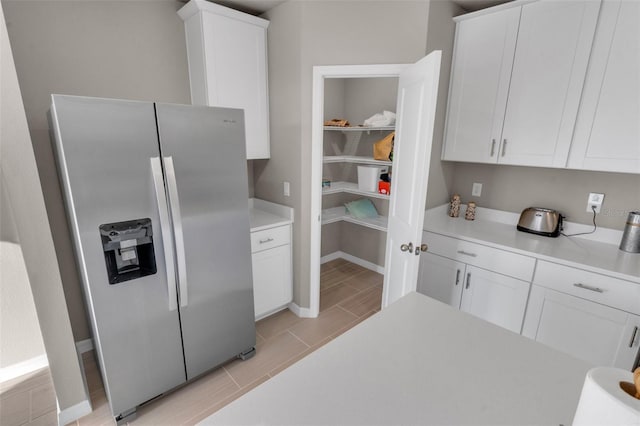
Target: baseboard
point(21, 368)
point(83, 346)
point(301, 312)
point(353, 259)
point(74, 412)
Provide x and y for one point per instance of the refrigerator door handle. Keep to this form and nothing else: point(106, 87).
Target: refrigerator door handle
point(165, 228)
point(174, 204)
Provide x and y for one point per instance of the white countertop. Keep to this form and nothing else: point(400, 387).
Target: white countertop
point(497, 229)
point(266, 215)
point(418, 361)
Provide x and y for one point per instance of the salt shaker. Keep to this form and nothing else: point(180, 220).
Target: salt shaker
point(454, 206)
point(470, 214)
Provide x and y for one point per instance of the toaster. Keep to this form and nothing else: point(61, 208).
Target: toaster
point(540, 221)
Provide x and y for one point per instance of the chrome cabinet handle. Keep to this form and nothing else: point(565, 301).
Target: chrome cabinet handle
point(457, 276)
point(633, 336)
point(588, 287)
point(165, 231)
point(504, 147)
point(493, 147)
point(468, 280)
point(174, 204)
point(467, 253)
point(266, 240)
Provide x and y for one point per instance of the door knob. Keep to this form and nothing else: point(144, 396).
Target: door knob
point(424, 247)
point(407, 247)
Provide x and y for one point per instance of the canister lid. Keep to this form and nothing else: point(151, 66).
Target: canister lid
point(633, 218)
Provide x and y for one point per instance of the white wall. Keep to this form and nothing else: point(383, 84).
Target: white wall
point(20, 337)
point(307, 33)
point(21, 181)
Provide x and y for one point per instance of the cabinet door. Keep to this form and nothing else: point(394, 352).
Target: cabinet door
point(272, 286)
point(496, 298)
point(483, 57)
point(441, 278)
point(554, 43)
point(607, 135)
point(587, 330)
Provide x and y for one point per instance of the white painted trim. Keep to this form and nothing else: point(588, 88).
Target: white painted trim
point(353, 259)
point(83, 346)
point(301, 312)
point(21, 368)
point(317, 128)
point(74, 412)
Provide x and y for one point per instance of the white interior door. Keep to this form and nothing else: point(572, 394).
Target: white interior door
point(417, 92)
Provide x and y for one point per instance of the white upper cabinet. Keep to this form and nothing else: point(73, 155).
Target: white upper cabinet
point(227, 53)
point(607, 134)
point(516, 84)
point(482, 62)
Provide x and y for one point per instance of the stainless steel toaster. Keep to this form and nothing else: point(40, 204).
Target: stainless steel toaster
point(540, 221)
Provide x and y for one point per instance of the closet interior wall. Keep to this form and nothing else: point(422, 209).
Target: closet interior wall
point(354, 99)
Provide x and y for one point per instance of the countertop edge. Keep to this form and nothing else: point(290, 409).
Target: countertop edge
point(540, 256)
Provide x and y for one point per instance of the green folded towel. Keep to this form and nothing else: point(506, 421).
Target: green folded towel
point(361, 209)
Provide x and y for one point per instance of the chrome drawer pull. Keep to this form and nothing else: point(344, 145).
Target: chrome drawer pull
point(467, 254)
point(588, 287)
point(493, 147)
point(267, 240)
point(633, 336)
point(458, 277)
point(468, 280)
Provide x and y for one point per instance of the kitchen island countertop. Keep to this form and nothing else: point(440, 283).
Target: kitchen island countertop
point(418, 361)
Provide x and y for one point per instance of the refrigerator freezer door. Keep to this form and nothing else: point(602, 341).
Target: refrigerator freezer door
point(104, 149)
point(208, 155)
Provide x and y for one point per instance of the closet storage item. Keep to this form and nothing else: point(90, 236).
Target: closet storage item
point(227, 54)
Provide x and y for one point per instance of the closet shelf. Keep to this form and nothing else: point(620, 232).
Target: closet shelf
point(351, 188)
point(354, 159)
point(358, 128)
point(337, 214)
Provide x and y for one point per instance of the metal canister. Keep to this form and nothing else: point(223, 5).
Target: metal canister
point(631, 236)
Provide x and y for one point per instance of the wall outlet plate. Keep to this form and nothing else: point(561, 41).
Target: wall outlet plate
point(595, 200)
point(476, 190)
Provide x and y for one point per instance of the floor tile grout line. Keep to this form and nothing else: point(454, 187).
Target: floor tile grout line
point(230, 376)
point(298, 338)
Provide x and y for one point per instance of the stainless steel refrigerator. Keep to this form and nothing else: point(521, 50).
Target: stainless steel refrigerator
point(156, 196)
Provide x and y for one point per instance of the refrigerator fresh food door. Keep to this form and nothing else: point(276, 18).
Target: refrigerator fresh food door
point(203, 151)
point(104, 149)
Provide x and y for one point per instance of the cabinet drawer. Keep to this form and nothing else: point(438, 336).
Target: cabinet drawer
point(598, 288)
point(501, 261)
point(268, 238)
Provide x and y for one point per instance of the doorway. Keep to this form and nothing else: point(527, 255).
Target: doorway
point(416, 99)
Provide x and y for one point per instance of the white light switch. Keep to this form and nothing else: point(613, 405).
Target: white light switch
point(287, 189)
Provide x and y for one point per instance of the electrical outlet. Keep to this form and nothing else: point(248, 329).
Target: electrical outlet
point(476, 190)
point(595, 200)
point(287, 189)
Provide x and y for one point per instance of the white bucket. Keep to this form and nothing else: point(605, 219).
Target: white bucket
point(368, 177)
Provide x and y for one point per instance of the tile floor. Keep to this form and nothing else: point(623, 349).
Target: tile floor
point(349, 294)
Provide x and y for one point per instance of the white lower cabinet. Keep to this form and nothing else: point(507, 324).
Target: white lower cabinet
point(271, 231)
point(271, 280)
point(588, 315)
point(596, 333)
point(488, 294)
